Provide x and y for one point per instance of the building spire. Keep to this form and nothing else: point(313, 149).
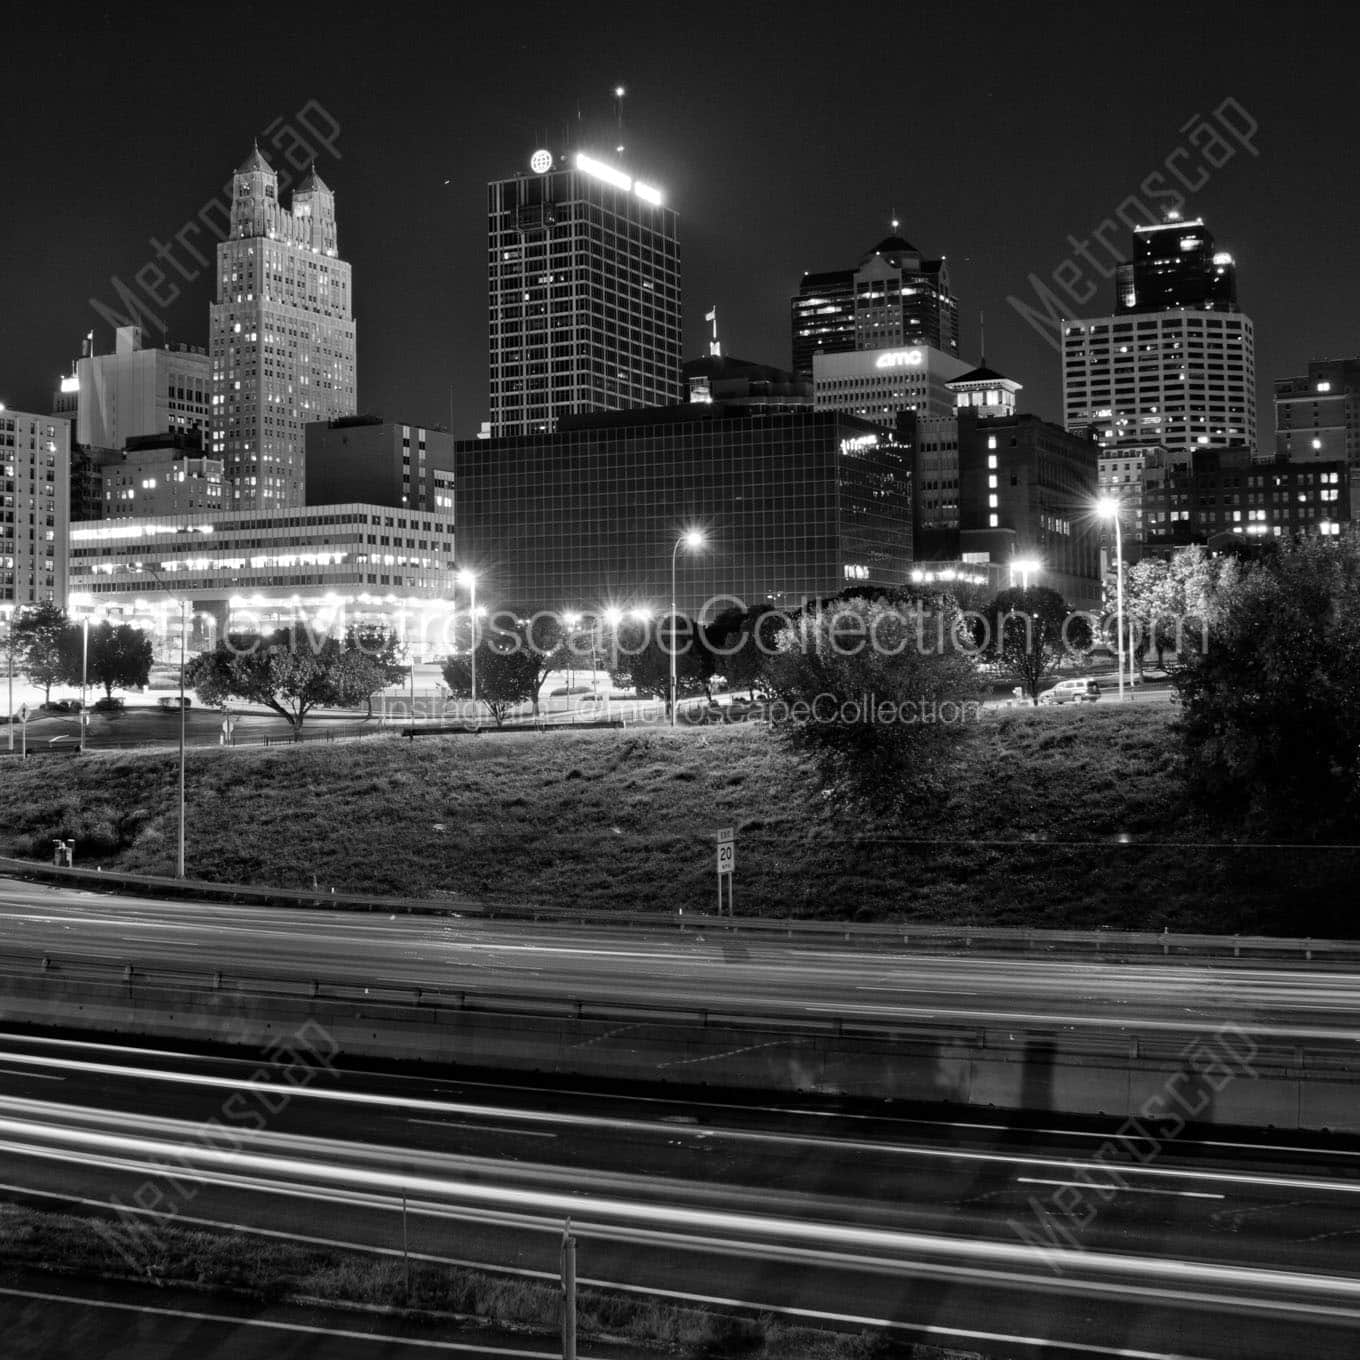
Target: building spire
point(982, 338)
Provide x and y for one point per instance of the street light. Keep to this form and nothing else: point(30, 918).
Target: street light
point(693, 540)
point(9, 653)
point(183, 645)
point(1025, 566)
point(1108, 508)
point(469, 579)
point(571, 620)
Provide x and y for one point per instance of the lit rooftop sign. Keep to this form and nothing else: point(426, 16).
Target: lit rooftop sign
point(900, 358)
point(71, 384)
point(612, 175)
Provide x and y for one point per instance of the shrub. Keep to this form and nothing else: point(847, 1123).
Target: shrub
point(109, 704)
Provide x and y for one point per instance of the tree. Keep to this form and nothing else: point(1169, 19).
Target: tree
point(1271, 704)
point(290, 671)
point(119, 656)
point(1029, 631)
point(739, 641)
point(369, 662)
point(506, 678)
point(1168, 601)
point(867, 689)
point(645, 664)
point(48, 647)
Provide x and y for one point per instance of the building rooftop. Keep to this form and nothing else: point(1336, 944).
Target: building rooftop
point(255, 162)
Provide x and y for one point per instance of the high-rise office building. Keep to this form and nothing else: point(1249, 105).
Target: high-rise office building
point(282, 335)
point(1176, 264)
point(1317, 419)
point(135, 391)
point(895, 297)
point(875, 384)
point(584, 288)
point(793, 505)
point(34, 455)
point(1175, 364)
point(380, 462)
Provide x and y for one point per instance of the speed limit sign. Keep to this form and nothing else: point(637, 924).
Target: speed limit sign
point(727, 852)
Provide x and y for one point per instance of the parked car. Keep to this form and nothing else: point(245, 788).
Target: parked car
point(1071, 692)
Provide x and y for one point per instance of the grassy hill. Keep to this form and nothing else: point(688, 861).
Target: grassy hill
point(1028, 833)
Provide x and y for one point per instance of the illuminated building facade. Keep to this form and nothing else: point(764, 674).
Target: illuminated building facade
point(111, 398)
point(159, 475)
point(384, 462)
point(1317, 418)
point(35, 453)
point(1176, 264)
point(282, 335)
point(1176, 363)
point(584, 288)
point(1227, 491)
point(894, 298)
point(792, 506)
point(876, 384)
point(325, 566)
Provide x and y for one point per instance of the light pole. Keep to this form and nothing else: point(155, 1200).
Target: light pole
point(692, 540)
point(571, 620)
point(183, 645)
point(1108, 508)
point(9, 653)
point(469, 579)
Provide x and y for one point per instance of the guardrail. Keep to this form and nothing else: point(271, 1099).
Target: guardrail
point(896, 935)
point(1122, 1042)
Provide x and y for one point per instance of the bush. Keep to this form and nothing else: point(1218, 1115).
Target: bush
point(1271, 705)
point(876, 693)
point(109, 704)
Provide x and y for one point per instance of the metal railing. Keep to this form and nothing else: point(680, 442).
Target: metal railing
point(897, 935)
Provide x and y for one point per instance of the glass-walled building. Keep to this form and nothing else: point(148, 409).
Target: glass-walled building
point(791, 506)
point(584, 289)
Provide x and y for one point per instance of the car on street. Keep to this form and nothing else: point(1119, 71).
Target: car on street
point(1071, 692)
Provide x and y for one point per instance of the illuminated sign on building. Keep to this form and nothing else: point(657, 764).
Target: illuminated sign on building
point(602, 170)
point(541, 162)
point(900, 358)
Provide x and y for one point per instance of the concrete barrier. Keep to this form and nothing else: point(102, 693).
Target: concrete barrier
point(1228, 1078)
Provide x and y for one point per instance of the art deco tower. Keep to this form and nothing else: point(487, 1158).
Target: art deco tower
point(282, 335)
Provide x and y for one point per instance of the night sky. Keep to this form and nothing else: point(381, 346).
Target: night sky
point(784, 135)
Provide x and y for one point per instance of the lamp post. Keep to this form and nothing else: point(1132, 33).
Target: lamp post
point(692, 540)
point(571, 620)
point(469, 579)
point(1025, 566)
point(183, 645)
point(9, 653)
point(1108, 508)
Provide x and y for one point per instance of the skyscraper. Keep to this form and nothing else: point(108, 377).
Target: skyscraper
point(1175, 363)
point(282, 335)
point(584, 288)
point(34, 460)
point(894, 297)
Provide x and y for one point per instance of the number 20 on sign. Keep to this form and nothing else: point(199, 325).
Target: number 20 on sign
point(727, 862)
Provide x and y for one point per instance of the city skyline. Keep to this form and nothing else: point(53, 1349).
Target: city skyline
point(768, 178)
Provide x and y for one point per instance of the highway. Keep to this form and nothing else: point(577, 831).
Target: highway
point(1289, 1003)
point(951, 1229)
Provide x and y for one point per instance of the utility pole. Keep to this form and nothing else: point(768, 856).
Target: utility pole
point(568, 1293)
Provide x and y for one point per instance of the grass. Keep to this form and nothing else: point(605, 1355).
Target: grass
point(626, 818)
point(278, 1270)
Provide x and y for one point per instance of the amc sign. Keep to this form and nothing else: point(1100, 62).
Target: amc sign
point(900, 358)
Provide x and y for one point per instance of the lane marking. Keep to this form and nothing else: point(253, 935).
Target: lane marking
point(229, 1320)
point(483, 1128)
point(40, 1076)
point(1131, 1189)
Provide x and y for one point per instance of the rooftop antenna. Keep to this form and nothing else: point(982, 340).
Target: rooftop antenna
point(619, 92)
point(714, 348)
point(982, 336)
